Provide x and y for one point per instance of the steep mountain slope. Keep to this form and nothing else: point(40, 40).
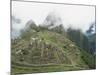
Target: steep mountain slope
point(45, 51)
point(91, 35)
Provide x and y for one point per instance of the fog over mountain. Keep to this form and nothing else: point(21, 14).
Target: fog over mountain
point(16, 27)
point(48, 37)
point(52, 20)
point(92, 29)
point(74, 16)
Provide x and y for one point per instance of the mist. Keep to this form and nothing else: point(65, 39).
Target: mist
point(74, 16)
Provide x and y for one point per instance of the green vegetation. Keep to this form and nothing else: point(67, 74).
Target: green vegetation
point(43, 50)
point(89, 59)
point(48, 68)
point(79, 38)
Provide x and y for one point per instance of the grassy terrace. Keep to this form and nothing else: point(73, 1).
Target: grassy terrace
point(62, 53)
point(22, 69)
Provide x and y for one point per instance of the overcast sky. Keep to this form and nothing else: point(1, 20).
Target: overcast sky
point(75, 15)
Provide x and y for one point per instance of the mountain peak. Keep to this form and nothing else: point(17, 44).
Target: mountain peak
point(52, 20)
point(92, 29)
point(30, 24)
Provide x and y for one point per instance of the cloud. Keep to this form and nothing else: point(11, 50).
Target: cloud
point(72, 15)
